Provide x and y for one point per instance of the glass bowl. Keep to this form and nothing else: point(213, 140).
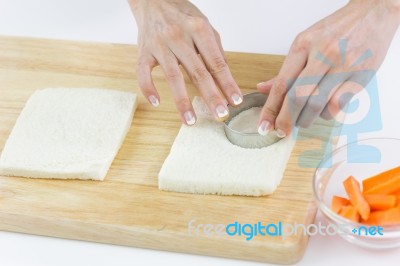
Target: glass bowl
point(361, 159)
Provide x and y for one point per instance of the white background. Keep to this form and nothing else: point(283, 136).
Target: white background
point(259, 26)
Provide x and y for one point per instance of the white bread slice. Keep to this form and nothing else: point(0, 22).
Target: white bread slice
point(68, 133)
point(202, 160)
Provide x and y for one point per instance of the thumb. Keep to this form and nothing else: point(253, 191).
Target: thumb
point(265, 86)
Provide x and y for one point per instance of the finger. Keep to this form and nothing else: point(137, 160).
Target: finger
point(355, 84)
point(320, 98)
point(176, 83)
point(302, 89)
point(143, 73)
point(291, 68)
point(217, 66)
point(202, 79)
point(219, 42)
point(340, 99)
point(265, 86)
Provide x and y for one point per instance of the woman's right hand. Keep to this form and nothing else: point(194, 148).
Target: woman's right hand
point(173, 32)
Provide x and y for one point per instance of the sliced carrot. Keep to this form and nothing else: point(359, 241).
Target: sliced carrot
point(338, 203)
point(384, 183)
point(397, 199)
point(350, 212)
point(388, 217)
point(352, 187)
point(380, 178)
point(379, 202)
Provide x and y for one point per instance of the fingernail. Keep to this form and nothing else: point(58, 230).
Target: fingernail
point(189, 118)
point(263, 128)
point(237, 99)
point(222, 111)
point(280, 133)
point(261, 84)
point(154, 101)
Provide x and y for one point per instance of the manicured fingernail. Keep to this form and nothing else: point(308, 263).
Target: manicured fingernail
point(280, 133)
point(222, 111)
point(263, 128)
point(154, 101)
point(261, 84)
point(189, 118)
point(237, 99)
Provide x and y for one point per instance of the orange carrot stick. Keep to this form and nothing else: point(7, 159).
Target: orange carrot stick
point(350, 212)
point(384, 183)
point(338, 203)
point(352, 187)
point(397, 199)
point(388, 217)
point(379, 202)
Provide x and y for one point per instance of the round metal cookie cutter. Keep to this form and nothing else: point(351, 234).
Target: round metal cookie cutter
point(249, 140)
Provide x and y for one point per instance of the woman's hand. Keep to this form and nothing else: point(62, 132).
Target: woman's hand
point(173, 32)
point(327, 63)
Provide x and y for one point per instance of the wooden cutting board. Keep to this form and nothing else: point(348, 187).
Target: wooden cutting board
point(127, 208)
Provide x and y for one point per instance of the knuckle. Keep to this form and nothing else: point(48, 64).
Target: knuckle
point(145, 85)
point(142, 62)
point(228, 86)
point(173, 73)
point(199, 24)
point(199, 74)
point(301, 42)
point(335, 104)
point(214, 99)
point(139, 69)
point(280, 86)
point(316, 105)
point(182, 103)
point(268, 111)
point(218, 65)
point(297, 101)
point(330, 49)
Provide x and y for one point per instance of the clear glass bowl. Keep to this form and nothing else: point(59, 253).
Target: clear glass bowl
point(360, 159)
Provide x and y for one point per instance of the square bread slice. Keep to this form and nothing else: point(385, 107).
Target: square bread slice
point(202, 160)
point(68, 133)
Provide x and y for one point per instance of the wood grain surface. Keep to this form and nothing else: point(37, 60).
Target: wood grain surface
point(127, 208)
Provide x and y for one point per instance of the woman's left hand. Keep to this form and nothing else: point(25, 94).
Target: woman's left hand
point(326, 62)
